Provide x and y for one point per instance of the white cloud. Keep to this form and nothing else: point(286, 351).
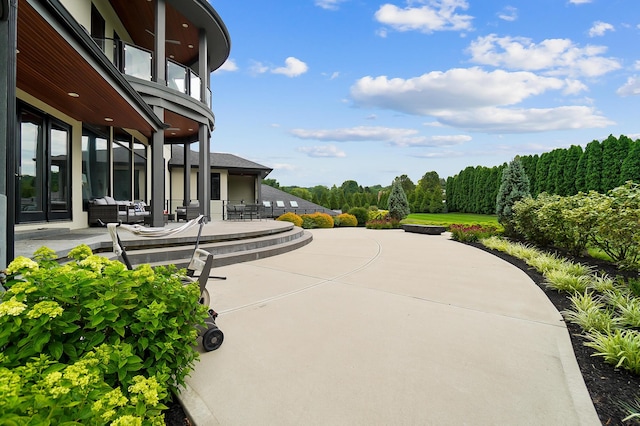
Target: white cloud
point(503, 120)
point(552, 56)
point(353, 134)
point(258, 68)
point(434, 141)
point(630, 88)
point(509, 13)
point(580, 1)
point(285, 167)
point(458, 88)
point(293, 67)
point(599, 28)
point(438, 15)
point(323, 151)
point(392, 136)
point(636, 65)
point(329, 4)
point(229, 65)
point(477, 100)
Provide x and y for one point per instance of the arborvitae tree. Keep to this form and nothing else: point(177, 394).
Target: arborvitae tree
point(398, 205)
point(614, 151)
point(568, 185)
point(624, 147)
point(631, 165)
point(542, 172)
point(513, 187)
point(556, 171)
point(593, 173)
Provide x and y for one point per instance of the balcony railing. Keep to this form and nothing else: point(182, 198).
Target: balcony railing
point(138, 62)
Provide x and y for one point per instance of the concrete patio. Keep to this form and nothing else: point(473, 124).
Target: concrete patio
point(365, 327)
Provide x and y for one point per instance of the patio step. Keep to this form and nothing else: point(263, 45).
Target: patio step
point(226, 252)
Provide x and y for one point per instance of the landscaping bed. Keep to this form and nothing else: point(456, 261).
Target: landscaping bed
point(610, 389)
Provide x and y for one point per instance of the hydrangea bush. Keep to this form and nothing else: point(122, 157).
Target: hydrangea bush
point(92, 342)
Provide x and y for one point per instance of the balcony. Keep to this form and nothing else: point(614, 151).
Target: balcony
point(137, 62)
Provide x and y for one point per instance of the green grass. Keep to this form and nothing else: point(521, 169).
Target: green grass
point(446, 219)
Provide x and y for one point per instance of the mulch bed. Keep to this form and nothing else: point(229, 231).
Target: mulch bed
point(610, 388)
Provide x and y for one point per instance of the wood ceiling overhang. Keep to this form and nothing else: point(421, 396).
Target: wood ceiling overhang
point(184, 19)
point(54, 59)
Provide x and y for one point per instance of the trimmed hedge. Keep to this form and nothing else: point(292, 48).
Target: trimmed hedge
point(317, 220)
point(291, 217)
point(345, 219)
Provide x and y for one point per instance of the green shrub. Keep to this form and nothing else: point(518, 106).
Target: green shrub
point(345, 219)
point(377, 214)
point(388, 223)
point(471, 233)
point(291, 217)
point(361, 214)
point(317, 220)
point(139, 325)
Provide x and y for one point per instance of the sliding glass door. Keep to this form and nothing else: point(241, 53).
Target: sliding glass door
point(44, 184)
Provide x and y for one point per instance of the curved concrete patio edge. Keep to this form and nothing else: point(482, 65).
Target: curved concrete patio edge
point(386, 327)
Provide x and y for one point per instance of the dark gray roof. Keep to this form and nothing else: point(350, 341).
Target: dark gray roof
point(218, 160)
point(272, 194)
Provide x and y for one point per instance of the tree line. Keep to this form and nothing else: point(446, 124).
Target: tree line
point(427, 196)
point(600, 166)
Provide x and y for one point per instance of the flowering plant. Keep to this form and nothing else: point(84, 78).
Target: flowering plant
point(471, 233)
point(73, 336)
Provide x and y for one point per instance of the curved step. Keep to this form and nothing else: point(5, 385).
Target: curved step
point(225, 252)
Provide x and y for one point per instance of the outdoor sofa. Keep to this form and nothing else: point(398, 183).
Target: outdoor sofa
point(109, 210)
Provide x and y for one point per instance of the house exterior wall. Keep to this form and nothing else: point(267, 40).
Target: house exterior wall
point(242, 189)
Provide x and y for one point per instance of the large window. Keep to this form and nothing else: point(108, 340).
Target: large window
point(44, 184)
point(139, 171)
point(215, 186)
point(95, 164)
point(122, 166)
point(97, 27)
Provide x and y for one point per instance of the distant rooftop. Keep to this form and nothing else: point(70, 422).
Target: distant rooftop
point(218, 160)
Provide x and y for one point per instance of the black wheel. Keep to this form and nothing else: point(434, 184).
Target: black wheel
point(212, 339)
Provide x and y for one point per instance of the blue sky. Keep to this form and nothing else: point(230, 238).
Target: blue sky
point(323, 91)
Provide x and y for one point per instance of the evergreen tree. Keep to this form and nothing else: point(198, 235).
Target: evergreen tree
point(514, 186)
point(529, 163)
point(556, 171)
point(542, 172)
point(398, 205)
point(614, 151)
point(593, 169)
point(568, 186)
point(631, 165)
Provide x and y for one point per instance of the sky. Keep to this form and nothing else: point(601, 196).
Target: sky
point(324, 91)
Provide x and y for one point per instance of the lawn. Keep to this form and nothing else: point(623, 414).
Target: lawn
point(446, 219)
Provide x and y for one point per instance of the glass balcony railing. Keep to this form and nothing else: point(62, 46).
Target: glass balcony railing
point(138, 62)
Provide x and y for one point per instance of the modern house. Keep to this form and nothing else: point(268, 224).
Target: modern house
point(100, 91)
point(233, 180)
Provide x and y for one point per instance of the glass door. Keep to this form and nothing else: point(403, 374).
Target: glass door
point(31, 168)
point(44, 173)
